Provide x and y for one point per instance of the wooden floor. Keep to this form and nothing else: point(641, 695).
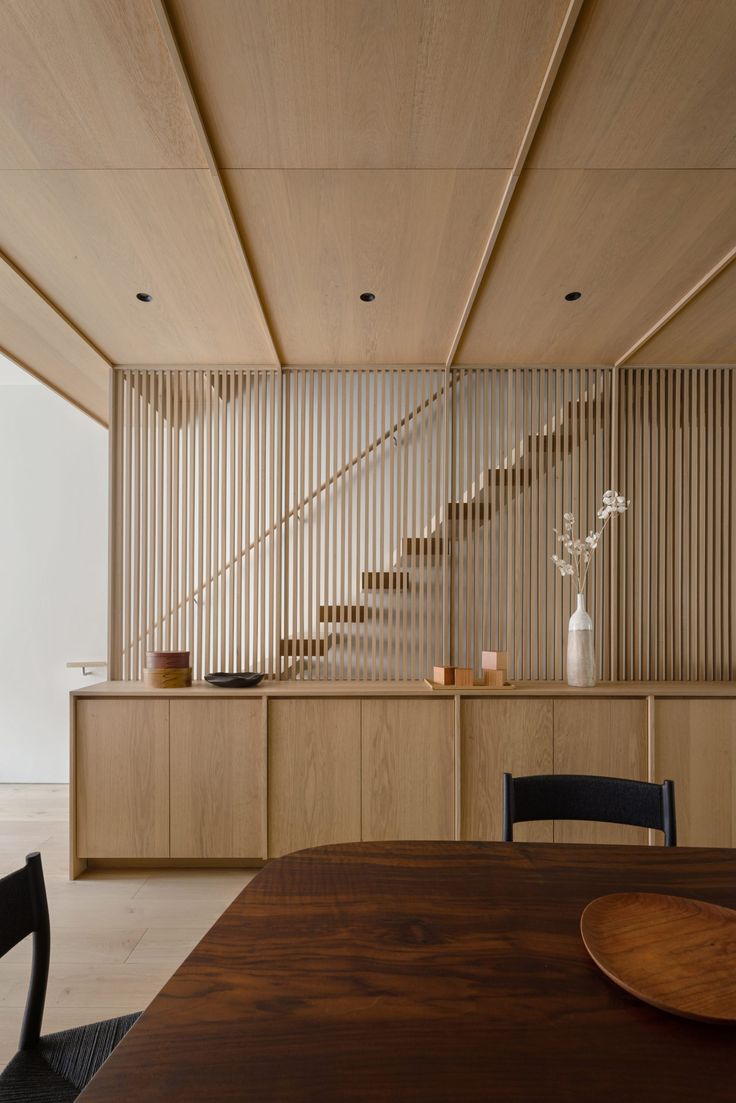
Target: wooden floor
point(116, 937)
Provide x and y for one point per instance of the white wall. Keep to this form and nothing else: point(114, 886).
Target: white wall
point(53, 570)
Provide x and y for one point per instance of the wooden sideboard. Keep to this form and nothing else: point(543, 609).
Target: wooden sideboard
point(202, 776)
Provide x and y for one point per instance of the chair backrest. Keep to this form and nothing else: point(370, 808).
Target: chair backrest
point(587, 797)
point(24, 910)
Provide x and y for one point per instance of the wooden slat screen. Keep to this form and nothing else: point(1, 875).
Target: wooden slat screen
point(528, 445)
point(195, 518)
point(363, 478)
point(333, 523)
point(676, 596)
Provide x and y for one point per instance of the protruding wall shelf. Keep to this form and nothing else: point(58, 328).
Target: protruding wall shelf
point(87, 666)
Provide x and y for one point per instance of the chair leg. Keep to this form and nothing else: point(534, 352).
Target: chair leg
point(33, 1016)
point(508, 808)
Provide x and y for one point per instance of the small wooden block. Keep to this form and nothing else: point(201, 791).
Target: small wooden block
point(494, 679)
point(495, 660)
point(464, 676)
point(444, 675)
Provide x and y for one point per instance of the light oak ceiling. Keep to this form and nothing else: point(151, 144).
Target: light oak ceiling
point(306, 229)
point(703, 332)
point(617, 236)
point(366, 83)
point(89, 84)
point(118, 232)
point(34, 335)
point(645, 84)
point(256, 164)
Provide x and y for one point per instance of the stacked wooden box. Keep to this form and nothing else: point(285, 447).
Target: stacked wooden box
point(495, 666)
point(167, 670)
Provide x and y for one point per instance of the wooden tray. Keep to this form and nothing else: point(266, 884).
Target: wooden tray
point(677, 954)
point(476, 685)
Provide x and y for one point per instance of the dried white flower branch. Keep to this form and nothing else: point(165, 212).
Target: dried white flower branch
point(580, 551)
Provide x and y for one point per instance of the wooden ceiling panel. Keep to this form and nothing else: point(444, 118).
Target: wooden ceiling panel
point(366, 83)
point(645, 84)
point(317, 239)
point(704, 332)
point(34, 335)
point(92, 240)
point(89, 84)
point(632, 242)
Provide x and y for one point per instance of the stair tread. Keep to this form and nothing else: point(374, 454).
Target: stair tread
point(385, 580)
point(351, 614)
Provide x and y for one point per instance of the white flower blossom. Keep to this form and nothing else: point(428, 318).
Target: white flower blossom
point(581, 550)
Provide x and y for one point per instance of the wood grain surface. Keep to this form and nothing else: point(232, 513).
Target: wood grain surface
point(313, 773)
point(495, 737)
point(424, 971)
point(122, 779)
point(377, 85)
point(408, 769)
point(695, 745)
point(345, 688)
point(673, 952)
point(217, 779)
point(603, 737)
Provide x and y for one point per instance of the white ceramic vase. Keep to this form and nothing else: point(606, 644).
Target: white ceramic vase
point(580, 647)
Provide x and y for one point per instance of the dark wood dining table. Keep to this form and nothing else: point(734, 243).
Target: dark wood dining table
point(444, 971)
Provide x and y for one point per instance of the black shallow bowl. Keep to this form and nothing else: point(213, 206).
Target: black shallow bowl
point(241, 680)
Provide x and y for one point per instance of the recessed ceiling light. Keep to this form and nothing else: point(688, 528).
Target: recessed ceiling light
point(144, 297)
point(367, 297)
point(571, 296)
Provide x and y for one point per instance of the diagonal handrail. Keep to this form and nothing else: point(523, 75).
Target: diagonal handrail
point(543, 439)
point(229, 564)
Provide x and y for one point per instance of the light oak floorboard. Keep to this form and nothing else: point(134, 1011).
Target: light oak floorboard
point(218, 886)
point(116, 935)
point(166, 945)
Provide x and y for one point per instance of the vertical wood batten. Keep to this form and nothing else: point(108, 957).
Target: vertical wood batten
point(115, 566)
point(679, 532)
point(415, 509)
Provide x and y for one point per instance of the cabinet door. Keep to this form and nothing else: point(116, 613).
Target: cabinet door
point(695, 746)
point(313, 773)
point(218, 779)
point(408, 775)
point(606, 736)
point(122, 778)
point(497, 737)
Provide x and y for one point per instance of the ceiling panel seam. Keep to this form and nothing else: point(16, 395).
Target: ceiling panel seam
point(558, 52)
point(21, 363)
point(224, 204)
point(36, 372)
point(681, 303)
point(56, 309)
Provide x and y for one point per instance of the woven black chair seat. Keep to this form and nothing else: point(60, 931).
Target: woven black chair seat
point(63, 1063)
point(589, 797)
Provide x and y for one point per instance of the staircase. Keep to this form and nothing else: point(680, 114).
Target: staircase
point(349, 630)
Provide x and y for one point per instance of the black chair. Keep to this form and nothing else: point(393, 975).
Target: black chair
point(586, 797)
point(57, 1066)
